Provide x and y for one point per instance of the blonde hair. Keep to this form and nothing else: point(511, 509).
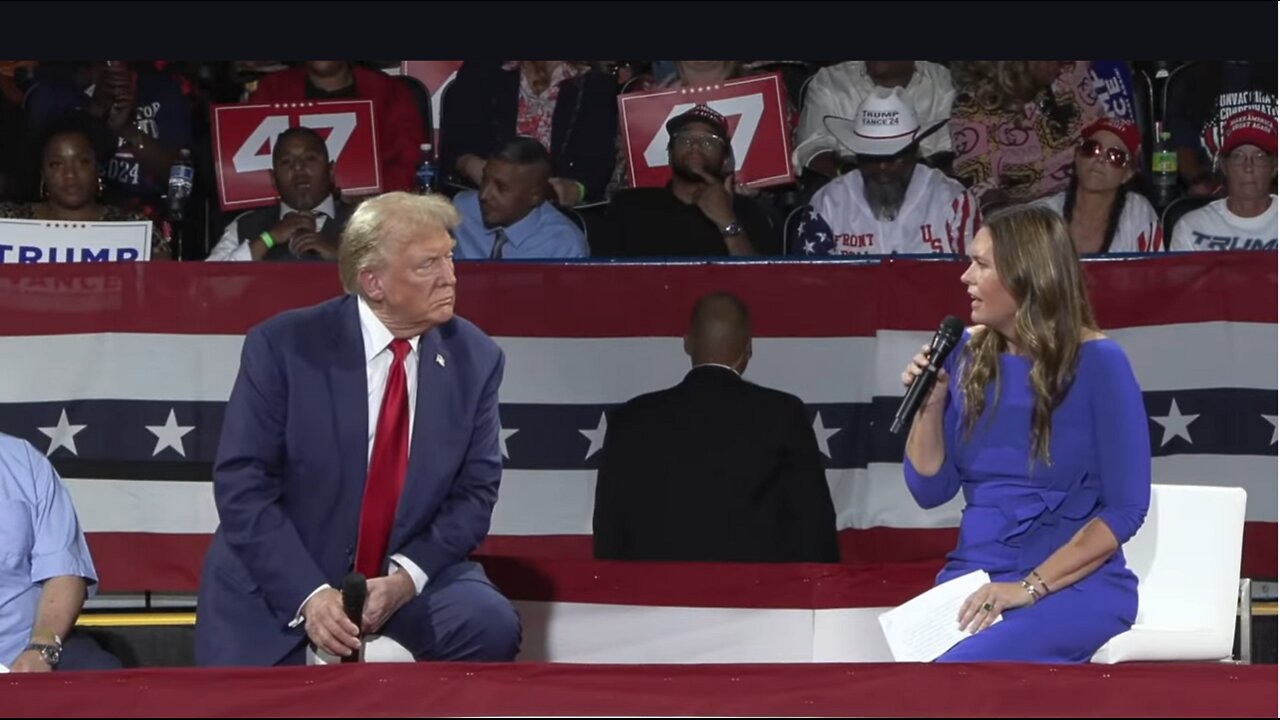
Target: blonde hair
point(1038, 265)
point(996, 84)
point(394, 216)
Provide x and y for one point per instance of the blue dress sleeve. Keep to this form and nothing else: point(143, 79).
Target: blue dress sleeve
point(1123, 440)
point(930, 491)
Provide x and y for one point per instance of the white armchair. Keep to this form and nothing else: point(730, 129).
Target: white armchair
point(1187, 559)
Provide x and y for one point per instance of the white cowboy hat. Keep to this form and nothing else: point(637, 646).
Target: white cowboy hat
point(885, 124)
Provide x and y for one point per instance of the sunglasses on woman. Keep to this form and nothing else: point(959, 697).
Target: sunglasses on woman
point(1092, 149)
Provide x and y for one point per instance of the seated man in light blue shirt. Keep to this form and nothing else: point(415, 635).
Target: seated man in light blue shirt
point(45, 568)
point(510, 217)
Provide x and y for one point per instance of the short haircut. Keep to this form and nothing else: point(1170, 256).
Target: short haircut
point(522, 150)
point(382, 217)
point(299, 131)
point(705, 304)
point(719, 328)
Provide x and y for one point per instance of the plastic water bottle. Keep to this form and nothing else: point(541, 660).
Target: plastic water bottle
point(426, 173)
point(182, 176)
point(1164, 169)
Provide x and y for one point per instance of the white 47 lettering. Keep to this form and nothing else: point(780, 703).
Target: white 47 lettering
point(247, 159)
point(750, 107)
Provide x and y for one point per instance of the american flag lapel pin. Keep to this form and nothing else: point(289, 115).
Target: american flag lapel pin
point(439, 359)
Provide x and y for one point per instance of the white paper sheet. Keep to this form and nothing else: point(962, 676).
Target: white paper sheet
point(925, 626)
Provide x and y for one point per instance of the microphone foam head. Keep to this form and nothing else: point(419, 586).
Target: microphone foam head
point(354, 586)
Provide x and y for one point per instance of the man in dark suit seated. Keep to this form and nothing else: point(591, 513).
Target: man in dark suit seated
point(715, 469)
point(307, 222)
point(361, 433)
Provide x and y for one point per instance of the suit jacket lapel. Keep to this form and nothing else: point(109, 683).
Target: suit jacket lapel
point(349, 394)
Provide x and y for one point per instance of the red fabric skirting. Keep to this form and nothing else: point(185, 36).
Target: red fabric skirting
point(1147, 690)
point(209, 297)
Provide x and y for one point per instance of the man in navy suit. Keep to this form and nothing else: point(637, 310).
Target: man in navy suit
point(361, 432)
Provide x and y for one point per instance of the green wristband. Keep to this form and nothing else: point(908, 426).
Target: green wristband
point(582, 192)
point(266, 240)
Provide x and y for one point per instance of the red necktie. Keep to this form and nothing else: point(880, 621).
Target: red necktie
point(386, 468)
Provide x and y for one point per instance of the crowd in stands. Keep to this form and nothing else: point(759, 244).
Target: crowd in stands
point(886, 156)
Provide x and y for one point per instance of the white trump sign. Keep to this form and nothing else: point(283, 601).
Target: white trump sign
point(48, 241)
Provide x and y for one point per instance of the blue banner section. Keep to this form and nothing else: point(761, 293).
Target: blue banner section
point(82, 433)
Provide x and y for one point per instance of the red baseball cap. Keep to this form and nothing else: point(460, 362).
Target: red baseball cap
point(1123, 129)
point(1249, 127)
point(701, 113)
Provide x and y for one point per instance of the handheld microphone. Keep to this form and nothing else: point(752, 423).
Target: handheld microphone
point(354, 591)
point(944, 341)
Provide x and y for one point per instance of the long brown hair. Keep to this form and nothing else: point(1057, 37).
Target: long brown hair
point(996, 84)
point(1038, 265)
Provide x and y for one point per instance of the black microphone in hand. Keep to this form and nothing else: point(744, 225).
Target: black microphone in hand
point(354, 592)
point(944, 341)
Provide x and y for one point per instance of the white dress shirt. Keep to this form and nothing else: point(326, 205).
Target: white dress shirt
point(733, 370)
point(231, 248)
point(378, 356)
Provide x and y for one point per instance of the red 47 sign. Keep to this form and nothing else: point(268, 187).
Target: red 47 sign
point(244, 136)
point(754, 108)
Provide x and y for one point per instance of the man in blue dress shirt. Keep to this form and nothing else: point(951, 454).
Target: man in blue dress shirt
point(45, 568)
point(510, 217)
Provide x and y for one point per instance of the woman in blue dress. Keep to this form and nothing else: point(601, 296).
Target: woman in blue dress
point(1037, 418)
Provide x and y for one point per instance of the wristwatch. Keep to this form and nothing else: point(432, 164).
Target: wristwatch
point(731, 229)
point(51, 654)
